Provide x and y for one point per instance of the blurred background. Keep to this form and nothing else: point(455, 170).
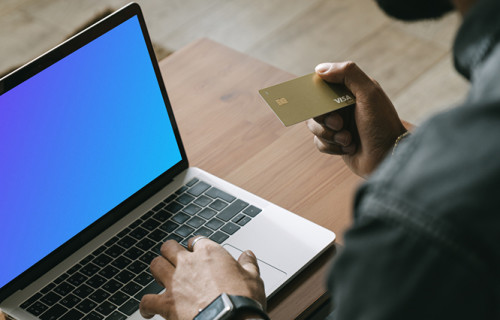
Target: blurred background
point(412, 62)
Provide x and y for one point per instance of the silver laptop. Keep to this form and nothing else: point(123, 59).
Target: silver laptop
point(94, 178)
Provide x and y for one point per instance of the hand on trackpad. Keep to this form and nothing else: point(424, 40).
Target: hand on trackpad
point(268, 273)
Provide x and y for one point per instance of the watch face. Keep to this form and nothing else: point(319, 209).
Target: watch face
point(218, 309)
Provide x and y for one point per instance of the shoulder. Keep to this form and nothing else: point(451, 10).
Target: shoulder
point(443, 183)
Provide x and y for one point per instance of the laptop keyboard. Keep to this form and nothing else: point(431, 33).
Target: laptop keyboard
point(110, 282)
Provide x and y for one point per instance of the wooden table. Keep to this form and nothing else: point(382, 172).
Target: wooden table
point(229, 131)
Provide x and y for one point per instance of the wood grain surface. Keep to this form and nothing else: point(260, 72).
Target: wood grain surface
point(229, 131)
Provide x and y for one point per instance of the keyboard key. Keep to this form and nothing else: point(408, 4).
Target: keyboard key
point(191, 209)
point(144, 278)
point(233, 209)
point(86, 260)
point(238, 217)
point(219, 237)
point(50, 298)
point(195, 222)
point(77, 279)
point(162, 215)
point(83, 291)
point(216, 193)
point(181, 190)
point(150, 224)
point(77, 267)
point(105, 308)
point(156, 249)
point(170, 198)
point(148, 257)
point(99, 296)
point(174, 237)
point(135, 224)
point(203, 201)
point(64, 288)
point(119, 298)
point(54, 313)
point(207, 213)
point(70, 301)
point(109, 272)
point(158, 207)
point(30, 301)
point(153, 287)
point(112, 286)
point(131, 288)
point(198, 188)
point(244, 221)
point(93, 316)
point(133, 253)
point(37, 308)
point(157, 235)
point(125, 276)
point(121, 262)
point(138, 233)
point(130, 307)
point(218, 205)
point(147, 215)
point(114, 251)
point(121, 234)
point(96, 281)
point(72, 315)
point(185, 198)
point(102, 260)
point(230, 228)
point(192, 182)
point(145, 244)
point(184, 231)
point(214, 224)
point(252, 211)
point(203, 232)
point(169, 226)
point(116, 316)
point(137, 267)
point(180, 218)
point(111, 242)
point(174, 207)
point(48, 287)
point(61, 278)
point(90, 269)
point(86, 305)
point(126, 242)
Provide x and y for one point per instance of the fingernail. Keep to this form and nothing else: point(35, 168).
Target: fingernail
point(323, 68)
point(340, 139)
point(333, 123)
point(249, 253)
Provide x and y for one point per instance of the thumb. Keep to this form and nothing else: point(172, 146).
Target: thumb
point(248, 261)
point(347, 73)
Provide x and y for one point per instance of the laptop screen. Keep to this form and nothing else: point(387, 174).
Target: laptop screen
point(76, 140)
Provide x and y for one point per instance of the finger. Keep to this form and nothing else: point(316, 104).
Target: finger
point(334, 121)
point(248, 261)
point(171, 250)
point(343, 138)
point(347, 73)
point(150, 305)
point(162, 270)
point(195, 240)
point(327, 147)
point(321, 131)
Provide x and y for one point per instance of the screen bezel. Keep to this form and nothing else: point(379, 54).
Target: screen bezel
point(43, 62)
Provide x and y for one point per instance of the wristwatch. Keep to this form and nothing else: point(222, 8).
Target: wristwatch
point(228, 306)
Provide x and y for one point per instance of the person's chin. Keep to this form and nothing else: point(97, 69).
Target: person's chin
point(412, 10)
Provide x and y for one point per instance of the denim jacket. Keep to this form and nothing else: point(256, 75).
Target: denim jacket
point(425, 242)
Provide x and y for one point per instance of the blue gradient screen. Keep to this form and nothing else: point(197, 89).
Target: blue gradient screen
point(76, 140)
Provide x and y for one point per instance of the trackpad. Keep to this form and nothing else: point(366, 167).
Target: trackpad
point(272, 277)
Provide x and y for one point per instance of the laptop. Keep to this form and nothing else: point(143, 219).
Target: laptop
point(94, 178)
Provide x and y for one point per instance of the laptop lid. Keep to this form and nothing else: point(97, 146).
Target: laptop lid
point(87, 134)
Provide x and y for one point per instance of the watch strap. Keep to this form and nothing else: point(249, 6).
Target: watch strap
point(245, 304)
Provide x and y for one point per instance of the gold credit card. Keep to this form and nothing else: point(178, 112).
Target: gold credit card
point(306, 97)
